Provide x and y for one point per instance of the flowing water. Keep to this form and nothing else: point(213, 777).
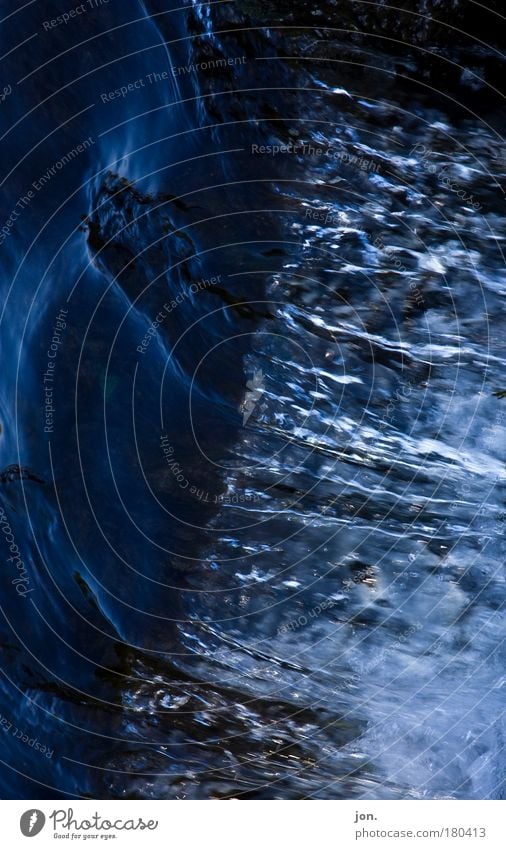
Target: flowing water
point(252, 326)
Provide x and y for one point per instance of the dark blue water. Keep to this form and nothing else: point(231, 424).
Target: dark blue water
point(253, 331)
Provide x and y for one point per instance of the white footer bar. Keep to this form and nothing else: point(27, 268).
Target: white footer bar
point(255, 824)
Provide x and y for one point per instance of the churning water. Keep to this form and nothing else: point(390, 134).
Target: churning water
point(253, 320)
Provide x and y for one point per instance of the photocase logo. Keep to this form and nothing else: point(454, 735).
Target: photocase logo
point(32, 822)
point(255, 389)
